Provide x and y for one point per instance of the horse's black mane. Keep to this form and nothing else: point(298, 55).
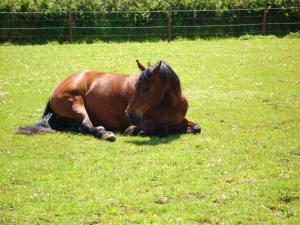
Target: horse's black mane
point(166, 74)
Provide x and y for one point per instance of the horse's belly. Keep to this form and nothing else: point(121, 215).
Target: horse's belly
point(107, 111)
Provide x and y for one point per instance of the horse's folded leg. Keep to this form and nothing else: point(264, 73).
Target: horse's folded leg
point(109, 136)
point(196, 128)
point(98, 132)
point(193, 128)
point(105, 135)
point(132, 131)
point(143, 133)
point(185, 127)
point(100, 128)
point(162, 131)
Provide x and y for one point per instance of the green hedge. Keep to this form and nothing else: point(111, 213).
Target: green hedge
point(125, 5)
point(56, 16)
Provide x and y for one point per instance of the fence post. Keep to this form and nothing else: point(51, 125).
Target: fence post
point(264, 25)
point(169, 25)
point(70, 27)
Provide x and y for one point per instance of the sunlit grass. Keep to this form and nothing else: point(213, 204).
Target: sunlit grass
point(243, 168)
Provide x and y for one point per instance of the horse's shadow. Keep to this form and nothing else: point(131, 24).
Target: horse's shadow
point(154, 140)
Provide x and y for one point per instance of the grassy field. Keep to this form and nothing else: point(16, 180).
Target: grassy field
point(242, 169)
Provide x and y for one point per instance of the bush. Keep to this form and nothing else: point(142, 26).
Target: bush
point(125, 5)
point(294, 35)
point(57, 16)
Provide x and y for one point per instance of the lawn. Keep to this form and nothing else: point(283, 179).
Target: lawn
point(244, 168)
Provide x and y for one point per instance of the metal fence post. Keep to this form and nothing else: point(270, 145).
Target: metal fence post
point(70, 27)
point(169, 25)
point(264, 24)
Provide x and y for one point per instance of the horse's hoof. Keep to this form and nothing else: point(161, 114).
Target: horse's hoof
point(131, 131)
point(109, 136)
point(193, 129)
point(100, 128)
point(142, 133)
point(196, 129)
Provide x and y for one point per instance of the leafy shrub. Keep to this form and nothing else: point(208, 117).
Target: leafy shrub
point(57, 16)
point(294, 35)
point(125, 5)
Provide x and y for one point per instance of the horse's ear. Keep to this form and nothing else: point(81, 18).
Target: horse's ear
point(156, 69)
point(142, 68)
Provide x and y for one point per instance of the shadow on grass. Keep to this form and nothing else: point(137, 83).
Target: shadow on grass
point(153, 140)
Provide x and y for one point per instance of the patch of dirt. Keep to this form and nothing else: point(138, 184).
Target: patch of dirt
point(275, 209)
point(297, 153)
point(217, 201)
point(205, 222)
point(6, 207)
point(162, 200)
point(287, 198)
point(196, 195)
point(1, 189)
point(229, 181)
point(95, 223)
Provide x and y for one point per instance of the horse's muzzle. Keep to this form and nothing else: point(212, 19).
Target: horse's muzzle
point(133, 118)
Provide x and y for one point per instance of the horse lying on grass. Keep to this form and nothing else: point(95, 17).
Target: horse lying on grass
point(149, 103)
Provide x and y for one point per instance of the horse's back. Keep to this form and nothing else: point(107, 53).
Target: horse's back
point(102, 95)
point(76, 83)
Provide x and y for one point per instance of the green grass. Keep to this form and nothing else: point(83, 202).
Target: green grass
point(242, 169)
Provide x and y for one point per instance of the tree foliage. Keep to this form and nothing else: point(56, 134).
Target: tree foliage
point(95, 13)
point(125, 5)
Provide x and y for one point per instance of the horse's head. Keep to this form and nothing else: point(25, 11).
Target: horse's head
point(148, 92)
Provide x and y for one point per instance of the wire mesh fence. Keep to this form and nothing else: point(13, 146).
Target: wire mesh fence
point(142, 25)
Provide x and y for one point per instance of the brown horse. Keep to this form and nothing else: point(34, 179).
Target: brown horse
point(149, 103)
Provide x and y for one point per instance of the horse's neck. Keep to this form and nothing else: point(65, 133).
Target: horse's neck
point(129, 86)
point(130, 83)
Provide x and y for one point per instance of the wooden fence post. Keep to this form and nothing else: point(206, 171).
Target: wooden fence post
point(70, 27)
point(264, 24)
point(169, 25)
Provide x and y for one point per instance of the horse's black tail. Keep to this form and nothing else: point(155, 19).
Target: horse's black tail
point(45, 125)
